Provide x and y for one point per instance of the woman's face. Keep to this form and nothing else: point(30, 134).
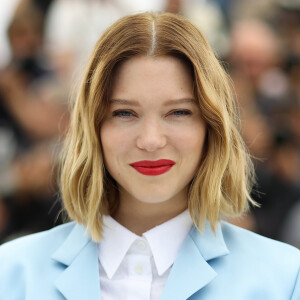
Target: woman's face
point(154, 134)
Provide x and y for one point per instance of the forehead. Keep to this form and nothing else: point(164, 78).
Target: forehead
point(152, 64)
point(157, 76)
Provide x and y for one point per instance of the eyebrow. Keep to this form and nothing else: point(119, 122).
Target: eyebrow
point(180, 101)
point(167, 103)
point(124, 102)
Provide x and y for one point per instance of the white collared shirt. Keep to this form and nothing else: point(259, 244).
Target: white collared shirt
point(137, 267)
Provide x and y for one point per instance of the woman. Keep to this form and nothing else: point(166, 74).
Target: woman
point(153, 163)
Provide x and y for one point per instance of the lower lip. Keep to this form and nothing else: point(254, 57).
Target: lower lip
point(153, 171)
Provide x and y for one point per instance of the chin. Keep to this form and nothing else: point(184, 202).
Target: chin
point(154, 198)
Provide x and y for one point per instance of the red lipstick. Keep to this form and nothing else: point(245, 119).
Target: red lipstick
point(153, 168)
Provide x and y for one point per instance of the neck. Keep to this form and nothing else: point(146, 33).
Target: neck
point(139, 217)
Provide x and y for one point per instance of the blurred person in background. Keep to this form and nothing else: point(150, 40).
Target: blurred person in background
point(72, 27)
point(290, 231)
point(32, 116)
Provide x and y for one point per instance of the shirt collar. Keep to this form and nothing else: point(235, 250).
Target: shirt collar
point(164, 241)
point(115, 243)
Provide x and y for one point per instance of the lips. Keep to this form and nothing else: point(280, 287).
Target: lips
point(153, 168)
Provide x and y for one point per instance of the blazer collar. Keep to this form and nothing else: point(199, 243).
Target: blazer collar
point(191, 270)
point(80, 276)
point(211, 245)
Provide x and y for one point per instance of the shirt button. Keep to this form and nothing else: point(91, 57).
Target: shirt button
point(139, 269)
point(142, 245)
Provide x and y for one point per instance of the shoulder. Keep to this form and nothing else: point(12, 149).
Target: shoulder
point(262, 266)
point(239, 240)
point(30, 266)
point(28, 259)
point(253, 266)
point(32, 248)
point(270, 262)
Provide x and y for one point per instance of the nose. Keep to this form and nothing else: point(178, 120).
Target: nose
point(151, 136)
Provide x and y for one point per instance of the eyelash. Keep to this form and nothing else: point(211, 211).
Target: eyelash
point(126, 114)
point(123, 114)
point(180, 113)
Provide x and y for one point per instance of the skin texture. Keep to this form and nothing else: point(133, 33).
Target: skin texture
point(153, 115)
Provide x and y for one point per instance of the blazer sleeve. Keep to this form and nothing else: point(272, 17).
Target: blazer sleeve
point(296, 292)
point(11, 274)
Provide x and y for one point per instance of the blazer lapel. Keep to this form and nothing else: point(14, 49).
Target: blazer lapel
point(79, 257)
point(191, 271)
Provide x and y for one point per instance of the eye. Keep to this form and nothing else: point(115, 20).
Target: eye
point(124, 114)
point(180, 113)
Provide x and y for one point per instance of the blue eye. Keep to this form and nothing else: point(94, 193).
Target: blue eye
point(122, 114)
point(180, 113)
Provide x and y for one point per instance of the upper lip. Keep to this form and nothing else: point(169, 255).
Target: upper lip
point(152, 163)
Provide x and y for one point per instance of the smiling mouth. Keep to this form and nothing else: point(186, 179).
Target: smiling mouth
point(153, 168)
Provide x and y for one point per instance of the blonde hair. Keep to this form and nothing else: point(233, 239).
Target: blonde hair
point(222, 184)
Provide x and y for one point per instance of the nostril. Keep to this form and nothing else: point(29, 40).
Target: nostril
point(151, 145)
point(151, 142)
point(152, 136)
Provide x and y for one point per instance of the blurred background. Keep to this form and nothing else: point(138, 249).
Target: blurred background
point(44, 45)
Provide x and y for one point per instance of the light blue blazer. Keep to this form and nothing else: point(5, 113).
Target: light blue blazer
point(234, 264)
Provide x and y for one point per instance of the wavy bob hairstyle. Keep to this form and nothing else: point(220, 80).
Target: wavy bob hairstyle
point(221, 185)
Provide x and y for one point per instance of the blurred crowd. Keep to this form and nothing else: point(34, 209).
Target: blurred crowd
point(258, 42)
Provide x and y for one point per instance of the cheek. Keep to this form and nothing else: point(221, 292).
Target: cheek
point(191, 141)
point(108, 140)
point(115, 141)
